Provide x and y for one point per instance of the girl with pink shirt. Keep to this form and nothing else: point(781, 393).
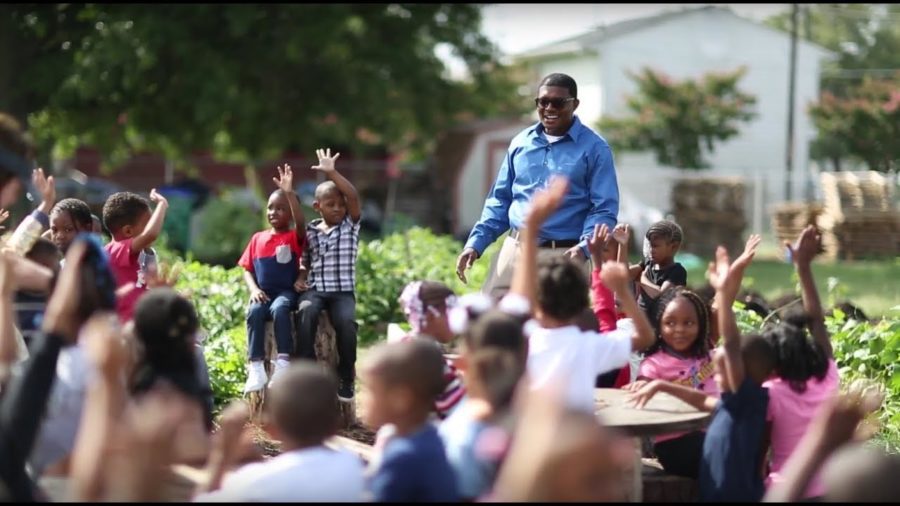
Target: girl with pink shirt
point(806, 375)
point(681, 355)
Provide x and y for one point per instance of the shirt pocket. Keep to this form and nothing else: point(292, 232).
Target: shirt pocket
point(283, 254)
point(571, 165)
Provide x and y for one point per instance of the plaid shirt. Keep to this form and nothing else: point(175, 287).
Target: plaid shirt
point(331, 256)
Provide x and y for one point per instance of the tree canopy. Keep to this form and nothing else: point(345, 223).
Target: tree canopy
point(678, 119)
point(246, 81)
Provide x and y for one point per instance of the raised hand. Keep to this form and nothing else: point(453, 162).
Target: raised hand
point(807, 246)
point(156, 197)
point(597, 242)
point(615, 276)
point(621, 233)
point(749, 252)
point(164, 276)
point(4, 215)
point(285, 179)
point(231, 425)
point(545, 202)
point(61, 316)
point(46, 186)
point(326, 161)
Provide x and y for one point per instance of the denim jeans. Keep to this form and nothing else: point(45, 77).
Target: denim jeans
point(341, 307)
point(279, 309)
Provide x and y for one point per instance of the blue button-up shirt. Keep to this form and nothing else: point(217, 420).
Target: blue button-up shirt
point(582, 156)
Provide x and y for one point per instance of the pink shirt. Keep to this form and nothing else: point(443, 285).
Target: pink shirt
point(124, 266)
point(697, 373)
point(790, 413)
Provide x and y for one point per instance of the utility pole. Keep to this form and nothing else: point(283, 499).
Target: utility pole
point(789, 153)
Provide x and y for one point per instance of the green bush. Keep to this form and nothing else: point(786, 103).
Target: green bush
point(225, 225)
point(386, 265)
point(226, 356)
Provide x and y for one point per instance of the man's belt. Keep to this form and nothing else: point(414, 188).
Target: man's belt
point(552, 244)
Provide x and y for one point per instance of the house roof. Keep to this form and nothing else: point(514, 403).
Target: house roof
point(590, 39)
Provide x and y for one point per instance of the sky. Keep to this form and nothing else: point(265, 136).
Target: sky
point(515, 28)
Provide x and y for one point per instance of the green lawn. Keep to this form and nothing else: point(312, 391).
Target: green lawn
point(873, 286)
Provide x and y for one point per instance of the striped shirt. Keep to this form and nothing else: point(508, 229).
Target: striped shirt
point(331, 256)
point(454, 390)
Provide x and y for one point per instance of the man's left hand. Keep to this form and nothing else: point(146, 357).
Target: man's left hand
point(575, 253)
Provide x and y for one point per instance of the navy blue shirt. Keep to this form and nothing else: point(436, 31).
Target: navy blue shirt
point(415, 469)
point(531, 160)
point(731, 466)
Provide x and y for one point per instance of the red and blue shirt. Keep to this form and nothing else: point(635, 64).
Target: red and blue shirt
point(274, 259)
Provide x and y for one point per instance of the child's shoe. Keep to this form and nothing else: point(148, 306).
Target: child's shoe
point(345, 391)
point(278, 368)
point(256, 377)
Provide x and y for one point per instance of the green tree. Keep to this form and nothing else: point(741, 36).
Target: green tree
point(248, 81)
point(865, 39)
point(678, 119)
point(867, 122)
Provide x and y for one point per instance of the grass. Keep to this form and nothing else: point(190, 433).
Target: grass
point(870, 285)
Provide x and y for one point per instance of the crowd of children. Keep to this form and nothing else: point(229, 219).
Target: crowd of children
point(103, 386)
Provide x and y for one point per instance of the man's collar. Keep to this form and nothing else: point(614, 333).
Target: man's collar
point(574, 130)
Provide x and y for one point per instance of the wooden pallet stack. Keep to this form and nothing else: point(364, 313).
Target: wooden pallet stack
point(790, 218)
point(710, 211)
point(860, 219)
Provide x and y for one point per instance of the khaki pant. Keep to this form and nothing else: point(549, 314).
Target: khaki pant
point(500, 273)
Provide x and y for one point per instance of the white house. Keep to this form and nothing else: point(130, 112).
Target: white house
point(687, 43)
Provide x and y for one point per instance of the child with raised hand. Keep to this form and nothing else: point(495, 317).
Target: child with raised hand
point(806, 374)
point(557, 290)
point(401, 381)
point(680, 355)
point(476, 435)
point(134, 229)
point(333, 244)
point(306, 470)
point(271, 263)
point(733, 447)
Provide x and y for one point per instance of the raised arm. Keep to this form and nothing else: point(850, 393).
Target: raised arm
point(604, 301)
point(621, 234)
point(326, 165)
point(615, 276)
point(225, 446)
point(802, 253)
point(543, 204)
point(726, 279)
point(285, 182)
point(154, 226)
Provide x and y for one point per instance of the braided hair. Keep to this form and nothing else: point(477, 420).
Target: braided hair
point(701, 346)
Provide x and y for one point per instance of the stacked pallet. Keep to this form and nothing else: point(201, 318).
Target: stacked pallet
point(860, 219)
point(790, 218)
point(710, 212)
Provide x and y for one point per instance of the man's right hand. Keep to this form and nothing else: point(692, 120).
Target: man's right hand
point(464, 262)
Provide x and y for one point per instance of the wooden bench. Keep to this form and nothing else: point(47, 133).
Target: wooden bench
point(326, 353)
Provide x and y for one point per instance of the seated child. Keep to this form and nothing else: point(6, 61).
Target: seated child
point(69, 218)
point(425, 304)
point(557, 349)
point(30, 306)
point(477, 434)
point(806, 374)
point(730, 470)
point(681, 355)
point(332, 246)
point(660, 270)
point(134, 229)
point(401, 381)
point(306, 470)
point(271, 263)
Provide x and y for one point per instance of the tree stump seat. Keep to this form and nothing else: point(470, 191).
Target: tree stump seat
point(660, 486)
point(326, 353)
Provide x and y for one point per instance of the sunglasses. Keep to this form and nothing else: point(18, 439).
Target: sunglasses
point(558, 103)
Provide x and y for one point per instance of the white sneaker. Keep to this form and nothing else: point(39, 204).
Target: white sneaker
point(278, 368)
point(256, 377)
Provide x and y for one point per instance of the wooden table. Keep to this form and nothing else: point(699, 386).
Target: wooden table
point(663, 414)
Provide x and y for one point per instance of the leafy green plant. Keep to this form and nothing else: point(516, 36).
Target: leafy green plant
point(225, 225)
point(225, 356)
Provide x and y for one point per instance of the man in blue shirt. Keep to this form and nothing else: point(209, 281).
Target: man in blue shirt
point(557, 145)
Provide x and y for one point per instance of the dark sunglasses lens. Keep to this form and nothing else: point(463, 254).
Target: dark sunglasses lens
point(545, 102)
